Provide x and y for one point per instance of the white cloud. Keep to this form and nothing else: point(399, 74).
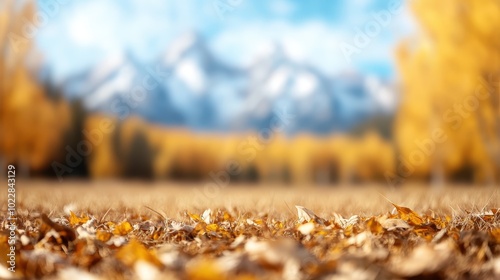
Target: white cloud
point(313, 42)
point(96, 24)
point(146, 27)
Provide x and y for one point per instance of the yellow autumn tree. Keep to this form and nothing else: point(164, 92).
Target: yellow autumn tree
point(448, 125)
point(32, 126)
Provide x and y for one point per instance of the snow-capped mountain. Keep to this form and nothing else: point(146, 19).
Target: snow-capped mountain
point(277, 83)
point(188, 86)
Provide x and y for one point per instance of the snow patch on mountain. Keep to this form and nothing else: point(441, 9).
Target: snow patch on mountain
point(205, 94)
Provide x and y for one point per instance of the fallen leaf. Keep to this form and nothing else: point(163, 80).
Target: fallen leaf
point(66, 233)
point(103, 235)
point(75, 273)
point(374, 226)
point(205, 270)
point(345, 223)
point(194, 217)
point(212, 227)
point(134, 251)
point(206, 216)
point(423, 260)
point(123, 228)
point(425, 231)
point(392, 224)
point(306, 215)
point(74, 220)
point(495, 234)
point(306, 228)
point(409, 215)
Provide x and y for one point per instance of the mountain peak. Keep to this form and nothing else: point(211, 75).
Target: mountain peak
point(182, 45)
point(203, 93)
point(108, 66)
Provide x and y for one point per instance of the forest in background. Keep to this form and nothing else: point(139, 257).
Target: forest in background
point(447, 127)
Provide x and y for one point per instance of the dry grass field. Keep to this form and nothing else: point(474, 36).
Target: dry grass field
point(139, 230)
point(174, 198)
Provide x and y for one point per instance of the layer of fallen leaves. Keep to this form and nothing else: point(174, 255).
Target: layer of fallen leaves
point(229, 244)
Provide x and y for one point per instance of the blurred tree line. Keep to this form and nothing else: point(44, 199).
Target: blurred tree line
point(134, 148)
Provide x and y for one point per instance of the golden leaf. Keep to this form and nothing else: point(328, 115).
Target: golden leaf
point(374, 226)
point(349, 230)
point(156, 235)
point(200, 228)
point(103, 235)
point(227, 216)
point(495, 234)
point(279, 225)
point(194, 217)
point(74, 220)
point(134, 251)
point(259, 222)
point(123, 229)
point(205, 270)
point(212, 227)
point(425, 232)
point(408, 215)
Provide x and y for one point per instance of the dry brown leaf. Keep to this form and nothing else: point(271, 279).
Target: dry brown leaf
point(392, 224)
point(374, 226)
point(66, 233)
point(306, 215)
point(495, 234)
point(253, 245)
point(134, 251)
point(286, 255)
point(408, 215)
point(227, 217)
point(205, 270)
point(426, 232)
point(345, 223)
point(423, 260)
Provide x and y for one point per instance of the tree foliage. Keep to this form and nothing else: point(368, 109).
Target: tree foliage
point(32, 126)
point(451, 74)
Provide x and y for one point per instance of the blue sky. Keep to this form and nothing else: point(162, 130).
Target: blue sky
point(80, 33)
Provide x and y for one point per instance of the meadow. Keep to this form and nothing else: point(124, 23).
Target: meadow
point(155, 230)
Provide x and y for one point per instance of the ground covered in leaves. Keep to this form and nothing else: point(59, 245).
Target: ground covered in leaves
point(278, 239)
